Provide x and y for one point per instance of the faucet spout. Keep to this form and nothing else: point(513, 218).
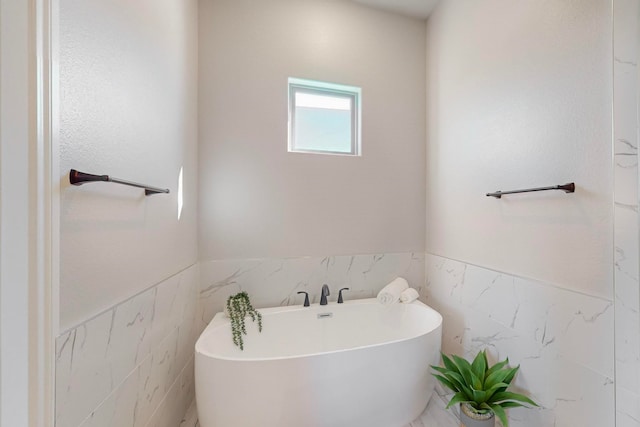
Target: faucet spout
point(323, 295)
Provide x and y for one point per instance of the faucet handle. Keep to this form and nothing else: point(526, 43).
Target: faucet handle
point(306, 298)
point(340, 300)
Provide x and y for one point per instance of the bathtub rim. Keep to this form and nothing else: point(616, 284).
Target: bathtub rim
point(220, 319)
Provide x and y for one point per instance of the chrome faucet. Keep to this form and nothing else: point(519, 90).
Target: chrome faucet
point(323, 295)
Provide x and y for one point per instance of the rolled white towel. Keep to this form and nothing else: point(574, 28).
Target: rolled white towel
point(409, 295)
point(391, 293)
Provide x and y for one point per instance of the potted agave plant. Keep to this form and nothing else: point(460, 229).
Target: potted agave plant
point(238, 308)
point(480, 389)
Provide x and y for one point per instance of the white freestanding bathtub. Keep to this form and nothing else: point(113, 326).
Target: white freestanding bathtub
point(357, 364)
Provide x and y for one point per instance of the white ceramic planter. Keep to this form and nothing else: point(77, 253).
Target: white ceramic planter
point(469, 418)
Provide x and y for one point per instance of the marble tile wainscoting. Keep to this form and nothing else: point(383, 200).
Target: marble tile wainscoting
point(562, 339)
point(133, 364)
point(627, 256)
point(272, 282)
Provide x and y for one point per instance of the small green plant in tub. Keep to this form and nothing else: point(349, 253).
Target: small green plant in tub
point(238, 308)
point(480, 389)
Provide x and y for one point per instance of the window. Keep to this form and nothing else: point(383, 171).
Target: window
point(324, 118)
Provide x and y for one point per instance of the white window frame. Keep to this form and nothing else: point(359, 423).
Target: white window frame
point(326, 89)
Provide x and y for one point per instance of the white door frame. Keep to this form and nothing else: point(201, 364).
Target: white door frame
point(29, 211)
point(45, 202)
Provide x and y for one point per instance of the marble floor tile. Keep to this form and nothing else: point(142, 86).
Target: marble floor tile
point(435, 415)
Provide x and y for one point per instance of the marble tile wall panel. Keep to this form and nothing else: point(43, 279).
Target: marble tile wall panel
point(561, 339)
point(117, 367)
point(171, 412)
point(275, 282)
point(629, 402)
point(627, 255)
point(122, 407)
point(190, 418)
point(627, 343)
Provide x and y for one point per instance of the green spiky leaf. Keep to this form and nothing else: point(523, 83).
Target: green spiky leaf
point(511, 404)
point(509, 396)
point(479, 365)
point(500, 376)
point(453, 377)
point(448, 363)
point(446, 382)
point(457, 398)
point(498, 366)
point(497, 388)
point(512, 374)
point(465, 369)
point(479, 396)
point(499, 411)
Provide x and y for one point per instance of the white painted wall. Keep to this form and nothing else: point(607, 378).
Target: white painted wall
point(519, 95)
point(128, 85)
point(14, 212)
point(258, 200)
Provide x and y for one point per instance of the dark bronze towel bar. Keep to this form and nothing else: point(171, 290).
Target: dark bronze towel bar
point(567, 188)
point(79, 178)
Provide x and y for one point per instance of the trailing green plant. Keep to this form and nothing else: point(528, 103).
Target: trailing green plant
point(481, 386)
point(238, 307)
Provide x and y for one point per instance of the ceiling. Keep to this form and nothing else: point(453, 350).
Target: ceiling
point(416, 8)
